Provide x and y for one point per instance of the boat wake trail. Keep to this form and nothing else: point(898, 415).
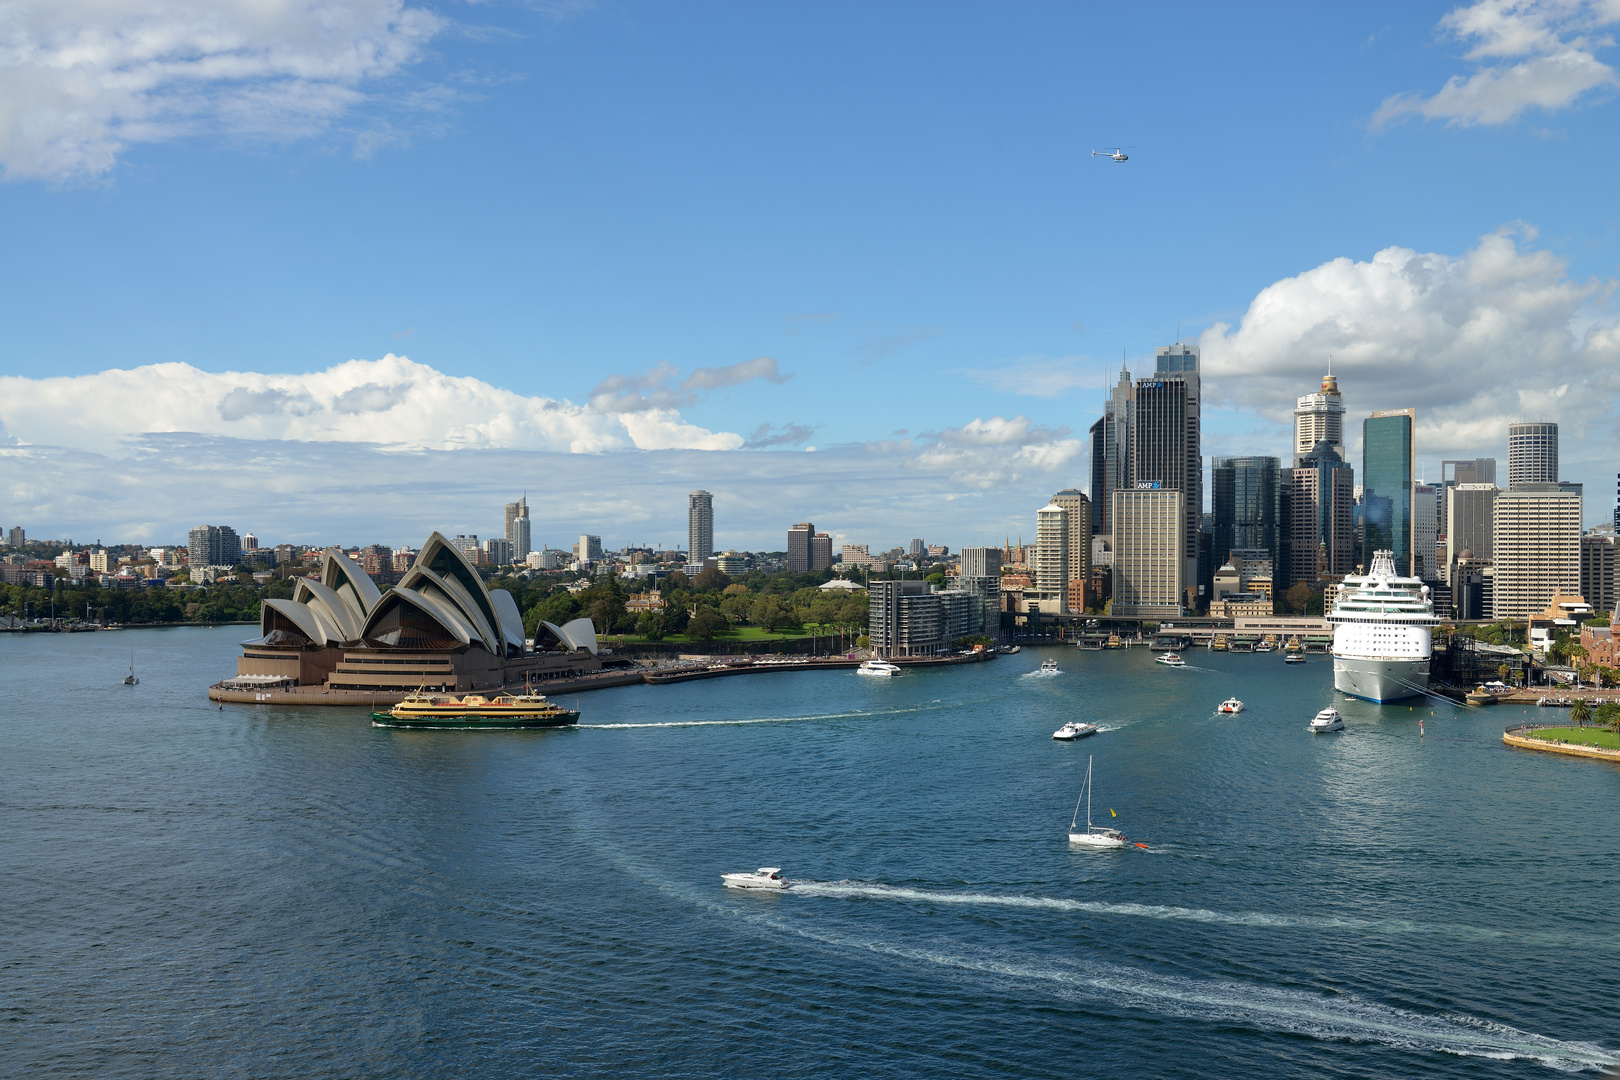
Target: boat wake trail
point(1327, 1016)
point(1038, 674)
point(867, 715)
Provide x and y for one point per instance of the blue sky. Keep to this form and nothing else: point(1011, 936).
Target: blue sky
point(871, 229)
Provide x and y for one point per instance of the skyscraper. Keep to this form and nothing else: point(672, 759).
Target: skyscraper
point(1079, 508)
point(214, 545)
point(798, 547)
point(1319, 418)
point(517, 528)
point(699, 526)
point(1118, 447)
point(1099, 474)
point(1318, 508)
point(1426, 530)
point(1168, 442)
point(1532, 453)
point(981, 578)
point(1150, 551)
point(821, 551)
point(1537, 542)
point(1464, 471)
point(1052, 551)
point(1388, 446)
point(1471, 524)
point(1245, 495)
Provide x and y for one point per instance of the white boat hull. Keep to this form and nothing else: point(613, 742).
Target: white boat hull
point(1095, 840)
point(1378, 679)
point(751, 881)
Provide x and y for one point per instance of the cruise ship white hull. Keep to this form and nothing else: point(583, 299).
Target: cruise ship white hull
point(1380, 679)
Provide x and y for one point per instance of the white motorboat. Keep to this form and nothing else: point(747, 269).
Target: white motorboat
point(766, 877)
point(1049, 667)
point(1231, 706)
point(1293, 658)
point(1071, 731)
point(1327, 720)
point(1170, 659)
point(881, 669)
point(1095, 835)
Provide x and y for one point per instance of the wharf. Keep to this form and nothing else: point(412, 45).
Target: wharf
point(310, 695)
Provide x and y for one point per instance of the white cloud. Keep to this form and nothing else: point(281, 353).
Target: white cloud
point(662, 387)
point(986, 454)
point(1555, 53)
point(1473, 341)
point(391, 402)
point(81, 80)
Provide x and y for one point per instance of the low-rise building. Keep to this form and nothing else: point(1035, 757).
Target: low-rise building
point(1600, 644)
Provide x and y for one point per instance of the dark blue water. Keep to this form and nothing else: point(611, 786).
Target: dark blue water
point(270, 892)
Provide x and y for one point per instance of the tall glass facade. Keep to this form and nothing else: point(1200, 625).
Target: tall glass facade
point(1386, 478)
point(1244, 498)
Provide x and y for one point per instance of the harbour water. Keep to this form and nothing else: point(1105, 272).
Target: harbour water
point(269, 892)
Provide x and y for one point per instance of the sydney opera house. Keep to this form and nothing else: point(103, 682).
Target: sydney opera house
point(439, 628)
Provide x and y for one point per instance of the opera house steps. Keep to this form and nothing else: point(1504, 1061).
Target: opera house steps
point(342, 638)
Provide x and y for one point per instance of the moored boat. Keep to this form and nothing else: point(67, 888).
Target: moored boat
point(446, 712)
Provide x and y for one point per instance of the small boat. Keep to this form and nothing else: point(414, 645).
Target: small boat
point(1170, 659)
point(1095, 835)
point(1231, 706)
point(1071, 731)
point(130, 679)
point(446, 712)
point(1481, 696)
point(766, 877)
point(1327, 720)
point(1293, 643)
point(1294, 658)
point(1049, 667)
point(880, 669)
point(1264, 646)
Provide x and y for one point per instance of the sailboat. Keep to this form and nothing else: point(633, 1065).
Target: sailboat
point(1095, 835)
point(130, 679)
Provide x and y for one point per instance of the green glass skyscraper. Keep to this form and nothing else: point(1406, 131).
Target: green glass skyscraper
point(1388, 446)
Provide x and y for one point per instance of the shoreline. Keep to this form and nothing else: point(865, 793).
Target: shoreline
point(1515, 736)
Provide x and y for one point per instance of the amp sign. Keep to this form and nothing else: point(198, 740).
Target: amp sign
point(1147, 485)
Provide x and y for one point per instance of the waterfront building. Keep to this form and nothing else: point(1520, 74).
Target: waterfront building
point(518, 529)
point(1052, 549)
point(1598, 582)
point(1319, 418)
point(980, 577)
point(1078, 505)
point(1245, 497)
point(214, 545)
point(1388, 450)
point(1536, 543)
point(1318, 514)
point(699, 526)
point(1150, 554)
point(440, 627)
point(1118, 439)
point(905, 618)
point(1532, 453)
point(1470, 521)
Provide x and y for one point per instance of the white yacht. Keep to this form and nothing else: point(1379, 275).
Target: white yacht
point(1327, 720)
point(1095, 835)
point(881, 669)
point(1170, 659)
point(1231, 706)
point(1074, 730)
point(1381, 624)
point(1049, 667)
point(766, 877)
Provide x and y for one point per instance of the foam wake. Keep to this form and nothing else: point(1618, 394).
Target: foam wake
point(1313, 1015)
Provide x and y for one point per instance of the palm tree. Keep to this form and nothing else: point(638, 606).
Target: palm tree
point(1581, 713)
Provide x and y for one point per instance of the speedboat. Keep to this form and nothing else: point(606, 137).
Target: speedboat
point(1327, 720)
point(1170, 659)
point(1070, 732)
point(1049, 667)
point(1231, 706)
point(1294, 658)
point(766, 877)
point(1095, 835)
point(881, 669)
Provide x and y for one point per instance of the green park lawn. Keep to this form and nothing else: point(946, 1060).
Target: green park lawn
point(1588, 736)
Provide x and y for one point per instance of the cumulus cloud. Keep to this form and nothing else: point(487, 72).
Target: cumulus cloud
point(986, 454)
point(81, 80)
point(391, 402)
point(1530, 54)
point(662, 387)
point(1473, 341)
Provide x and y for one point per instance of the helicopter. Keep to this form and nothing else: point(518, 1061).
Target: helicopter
point(1116, 154)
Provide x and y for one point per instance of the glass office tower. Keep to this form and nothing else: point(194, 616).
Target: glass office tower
point(1388, 446)
point(1244, 498)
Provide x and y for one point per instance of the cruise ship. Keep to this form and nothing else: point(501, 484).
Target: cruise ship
point(1381, 634)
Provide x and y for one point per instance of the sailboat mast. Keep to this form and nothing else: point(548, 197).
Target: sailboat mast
point(1088, 793)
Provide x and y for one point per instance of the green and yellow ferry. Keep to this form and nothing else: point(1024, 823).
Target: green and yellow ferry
point(503, 712)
